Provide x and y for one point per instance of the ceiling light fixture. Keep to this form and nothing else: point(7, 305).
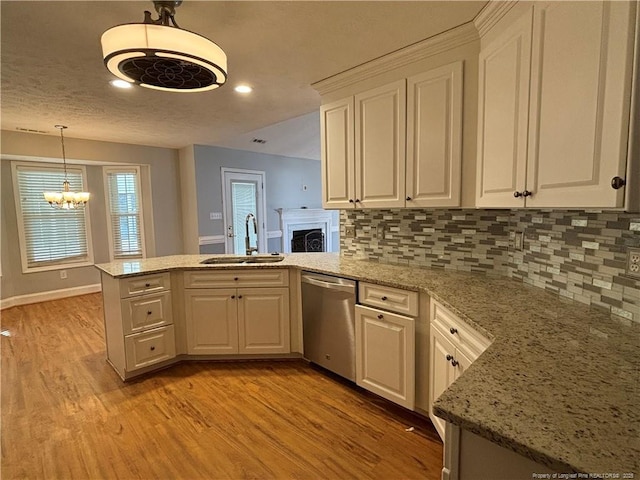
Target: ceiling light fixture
point(66, 200)
point(157, 55)
point(243, 89)
point(120, 83)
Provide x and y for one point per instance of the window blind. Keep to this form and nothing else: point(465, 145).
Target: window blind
point(124, 212)
point(51, 236)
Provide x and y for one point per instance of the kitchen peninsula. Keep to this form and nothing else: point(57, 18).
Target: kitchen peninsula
point(558, 385)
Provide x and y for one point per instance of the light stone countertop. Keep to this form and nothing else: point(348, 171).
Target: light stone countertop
point(560, 384)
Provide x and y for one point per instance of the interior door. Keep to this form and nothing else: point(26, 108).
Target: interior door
point(243, 195)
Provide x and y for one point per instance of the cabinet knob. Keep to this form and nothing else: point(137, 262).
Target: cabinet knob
point(384, 299)
point(449, 357)
point(453, 330)
point(380, 317)
point(358, 200)
point(617, 182)
point(235, 278)
point(517, 194)
point(147, 285)
point(149, 312)
point(239, 296)
point(527, 193)
point(351, 200)
point(408, 199)
point(233, 296)
point(454, 363)
point(152, 348)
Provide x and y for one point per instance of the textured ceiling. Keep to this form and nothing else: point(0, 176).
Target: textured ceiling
point(52, 70)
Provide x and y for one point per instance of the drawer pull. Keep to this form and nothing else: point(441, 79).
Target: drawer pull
point(152, 348)
point(235, 278)
point(380, 317)
point(449, 358)
point(149, 312)
point(454, 362)
point(453, 330)
point(147, 285)
point(384, 299)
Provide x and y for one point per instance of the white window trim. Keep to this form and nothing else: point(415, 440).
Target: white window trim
point(124, 169)
point(21, 235)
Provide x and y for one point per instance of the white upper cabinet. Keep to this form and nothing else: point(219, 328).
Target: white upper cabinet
point(554, 99)
point(503, 99)
point(338, 168)
point(434, 137)
point(380, 133)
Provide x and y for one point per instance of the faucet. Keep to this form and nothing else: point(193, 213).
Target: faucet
point(247, 243)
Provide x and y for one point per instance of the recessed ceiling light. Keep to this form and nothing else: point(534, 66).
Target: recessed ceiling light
point(243, 89)
point(120, 84)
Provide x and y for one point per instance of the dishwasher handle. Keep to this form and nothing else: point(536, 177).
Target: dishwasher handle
point(350, 288)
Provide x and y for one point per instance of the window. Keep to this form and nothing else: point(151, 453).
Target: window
point(124, 212)
point(50, 238)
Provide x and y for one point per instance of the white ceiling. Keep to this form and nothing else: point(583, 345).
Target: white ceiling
point(52, 70)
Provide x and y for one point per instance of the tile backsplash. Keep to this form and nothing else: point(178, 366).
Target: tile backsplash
point(577, 254)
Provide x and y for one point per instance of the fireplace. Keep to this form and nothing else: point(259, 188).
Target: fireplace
point(317, 223)
point(311, 240)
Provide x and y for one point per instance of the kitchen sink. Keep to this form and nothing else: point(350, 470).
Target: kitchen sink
point(240, 260)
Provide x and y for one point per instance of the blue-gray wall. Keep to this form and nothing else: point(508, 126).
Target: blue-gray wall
point(284, 179)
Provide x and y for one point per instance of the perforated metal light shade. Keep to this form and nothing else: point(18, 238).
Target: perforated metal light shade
point(164, 58)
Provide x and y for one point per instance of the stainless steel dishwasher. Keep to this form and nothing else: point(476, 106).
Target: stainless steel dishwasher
point(328, 318)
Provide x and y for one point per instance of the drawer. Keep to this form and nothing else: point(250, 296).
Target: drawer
point(146, 311)
point(150, 347)
point(264, 277)
point(460, 334)
point(388, 298)
point(144, 284)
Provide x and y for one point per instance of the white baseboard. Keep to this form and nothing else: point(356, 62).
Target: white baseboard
point(50, 295)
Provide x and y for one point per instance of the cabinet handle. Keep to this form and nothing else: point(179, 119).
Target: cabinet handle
point(527, 193)
point(384, 299)
point(408, 199)
point(617, 182)
point(147, 285)
point(454, 363)
point(358, 200)
point(380, 317)
point(235, 278)
point(149, 312)
point(453, 330)
point(239, 296)
point(517, 194)
point(233, 296)
point(351, 200)
point(152, 348)
point(449, 357)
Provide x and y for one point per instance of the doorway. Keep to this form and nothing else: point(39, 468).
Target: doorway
point(243, 194)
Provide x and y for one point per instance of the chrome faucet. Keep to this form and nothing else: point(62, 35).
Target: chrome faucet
point(247, 242)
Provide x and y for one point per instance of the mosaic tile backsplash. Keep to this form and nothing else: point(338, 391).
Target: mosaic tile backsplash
point(577, 254)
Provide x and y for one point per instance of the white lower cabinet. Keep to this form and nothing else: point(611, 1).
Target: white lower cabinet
point(251, 320)
point(150, 347)
point(385, 342)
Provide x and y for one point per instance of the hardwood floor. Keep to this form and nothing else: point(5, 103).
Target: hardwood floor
point(67, 415)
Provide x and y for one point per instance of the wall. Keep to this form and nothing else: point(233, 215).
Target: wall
point(163, 166)
point(284, 179)
point(579, 255)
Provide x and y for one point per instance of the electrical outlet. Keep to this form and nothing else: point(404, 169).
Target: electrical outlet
point(518, 241)
point(633, 262)
point(63, 274)
point(350, 231)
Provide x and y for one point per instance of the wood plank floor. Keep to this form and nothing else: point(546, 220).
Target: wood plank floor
point(66, 414)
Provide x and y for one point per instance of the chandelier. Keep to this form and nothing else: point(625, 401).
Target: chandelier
point(158, 54)
point(66, 200)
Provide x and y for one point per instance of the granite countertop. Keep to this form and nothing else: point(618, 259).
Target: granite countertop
point(560, 384)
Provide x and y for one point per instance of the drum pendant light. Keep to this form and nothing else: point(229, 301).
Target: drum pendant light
point(158, 54)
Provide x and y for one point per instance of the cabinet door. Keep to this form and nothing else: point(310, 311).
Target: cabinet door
point(263, 320)
point(211, 318)
point(434, 137)
point(385, 355)
point(441, 373)
point(380, 155)
point(150, 347)
point(579, 116)
point(338, 170)
point(503, 101)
